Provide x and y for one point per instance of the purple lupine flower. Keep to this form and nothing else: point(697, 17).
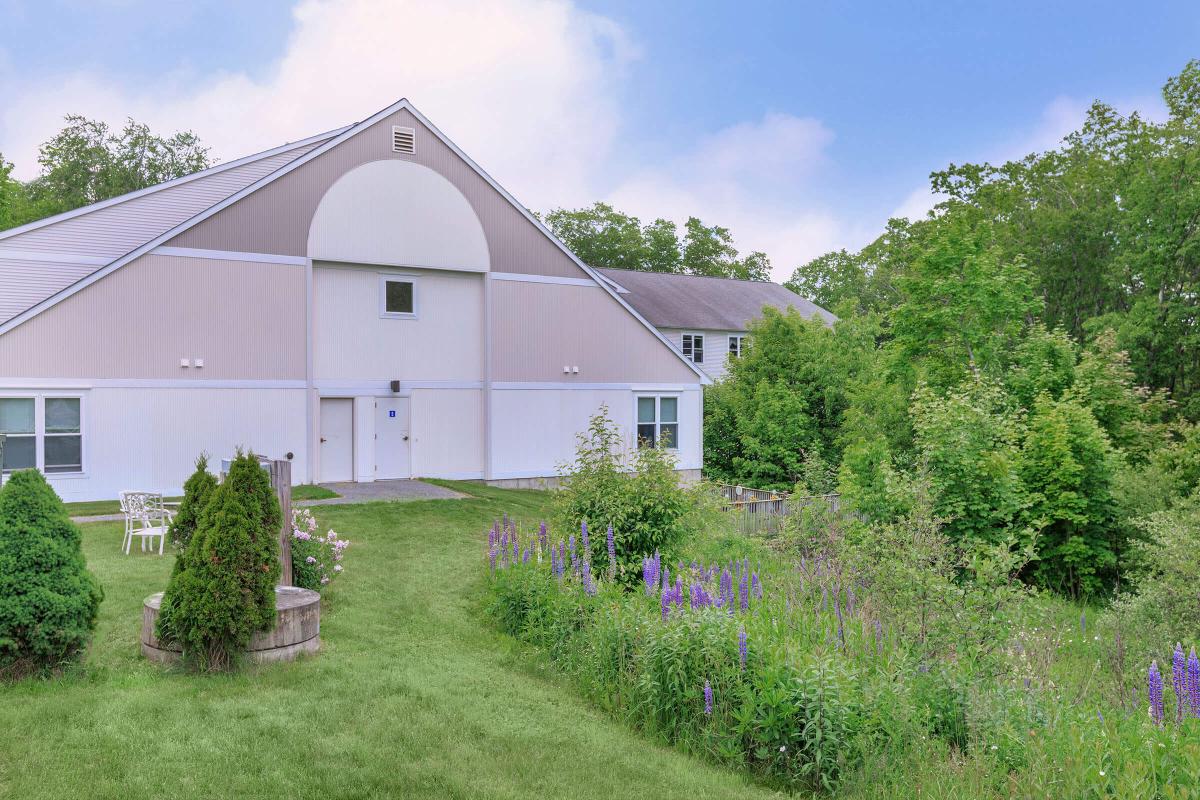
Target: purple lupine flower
point(665, 603)
point(1178, 679)
point(492, 537)
point(504, 546)
point(1155, 690)
point(707, 697)
point(515, 542)
point(492, 559)
point(525, 557)
point(543, 536)
point(574, 556)
point(742, 647)
point(837, 609)
point(1193, 684)
point(588, 586)
point(678, 591)
point(648, 575)
point(744, 592)
point(612, 553)
point(756, 586)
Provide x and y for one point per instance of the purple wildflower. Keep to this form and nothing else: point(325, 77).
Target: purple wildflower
point(492, 559)
point(1178, 679)
point(742, 647)
point(707, 698)
point(514, 542)
point(612, 553)
point(755, 586)
point(665, 602)
point(678, 591)
point(1193, 684)
point(525, 556)
point(744, 592)
point(543, 536)
point(588, 585)
point(1155, 690)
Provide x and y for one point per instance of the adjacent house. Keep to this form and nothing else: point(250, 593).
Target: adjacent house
point(367, 302)
point(705, 318)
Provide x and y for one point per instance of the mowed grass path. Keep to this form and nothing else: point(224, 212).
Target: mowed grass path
point(412, 695)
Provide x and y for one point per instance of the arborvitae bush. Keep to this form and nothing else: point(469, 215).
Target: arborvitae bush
point(197, 490)
point(48, 599)
point(223, 590)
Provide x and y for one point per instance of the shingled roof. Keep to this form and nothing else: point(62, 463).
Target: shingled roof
point(692, 301)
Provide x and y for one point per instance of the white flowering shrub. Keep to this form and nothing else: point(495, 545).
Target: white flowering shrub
point(316, 556)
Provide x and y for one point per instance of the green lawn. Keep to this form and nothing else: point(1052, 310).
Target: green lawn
point(412, 694)
point(92, 508)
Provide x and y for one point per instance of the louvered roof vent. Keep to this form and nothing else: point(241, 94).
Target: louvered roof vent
point(404, 140)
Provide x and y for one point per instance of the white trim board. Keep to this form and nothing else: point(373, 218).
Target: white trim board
point(524, 278)
point(229, 255)
point(144, 383)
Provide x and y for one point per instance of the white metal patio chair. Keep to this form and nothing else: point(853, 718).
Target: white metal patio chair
point(145, 517)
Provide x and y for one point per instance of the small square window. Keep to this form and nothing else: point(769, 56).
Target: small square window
point(658, 422)
point(398, 297)
point(693, 347)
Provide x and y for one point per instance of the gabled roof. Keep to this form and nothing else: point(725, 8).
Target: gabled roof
point(668, 300)
point(42, 258)
point(313, 148)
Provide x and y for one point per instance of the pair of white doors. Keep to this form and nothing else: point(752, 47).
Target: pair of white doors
point(393, 454)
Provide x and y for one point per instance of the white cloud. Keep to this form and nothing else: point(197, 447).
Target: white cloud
point(528, 88)
point(759, 180)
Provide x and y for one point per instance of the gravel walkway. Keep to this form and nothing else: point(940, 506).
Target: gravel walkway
point(395, 491)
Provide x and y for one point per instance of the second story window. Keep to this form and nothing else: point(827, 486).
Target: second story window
point(735, 346)
point(693, 347)
point(397, 297)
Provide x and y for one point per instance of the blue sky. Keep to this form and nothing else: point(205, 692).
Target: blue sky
point(801, 126)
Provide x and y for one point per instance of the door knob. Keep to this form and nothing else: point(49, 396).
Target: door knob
point(406, 438)
point(322, 440)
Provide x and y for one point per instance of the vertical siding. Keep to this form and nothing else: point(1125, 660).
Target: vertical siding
point(352, 342)
point(716, 348)
point(105, 234)
point(246, 320)
point(276, 218)
point(538, 328)
point(447, 433)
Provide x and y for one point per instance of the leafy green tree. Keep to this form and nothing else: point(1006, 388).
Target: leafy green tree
point(601, 236)
point(48, 599)
point(963, 305)
point(87, 162)
point(1069, 469)
point(968, 443)
point(1042, 362)
point(224, 590)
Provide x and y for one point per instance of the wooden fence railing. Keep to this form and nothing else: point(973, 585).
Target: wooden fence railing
point(763, 510)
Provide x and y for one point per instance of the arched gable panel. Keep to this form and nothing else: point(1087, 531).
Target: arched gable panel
point(398, 213)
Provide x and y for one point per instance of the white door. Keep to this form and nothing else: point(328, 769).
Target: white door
point(393, 457)
point(337, 439)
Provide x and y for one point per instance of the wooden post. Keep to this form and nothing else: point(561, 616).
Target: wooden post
point(280, 471)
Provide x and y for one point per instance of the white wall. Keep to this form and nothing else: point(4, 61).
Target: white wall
point(148, 438)
point(716, 348)
point(534, 430)
point(447, 433)
point(351, 342)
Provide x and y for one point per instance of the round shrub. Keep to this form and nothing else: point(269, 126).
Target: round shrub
point(223, 591)
point(197, 490)
point(48, 599)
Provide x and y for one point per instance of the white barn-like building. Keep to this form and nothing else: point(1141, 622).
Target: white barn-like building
point(367, 301)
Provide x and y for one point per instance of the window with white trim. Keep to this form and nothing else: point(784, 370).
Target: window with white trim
point(45, 432)
point(658, 421)
point(397, 297)
point(693, 347)
point(735, 346)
